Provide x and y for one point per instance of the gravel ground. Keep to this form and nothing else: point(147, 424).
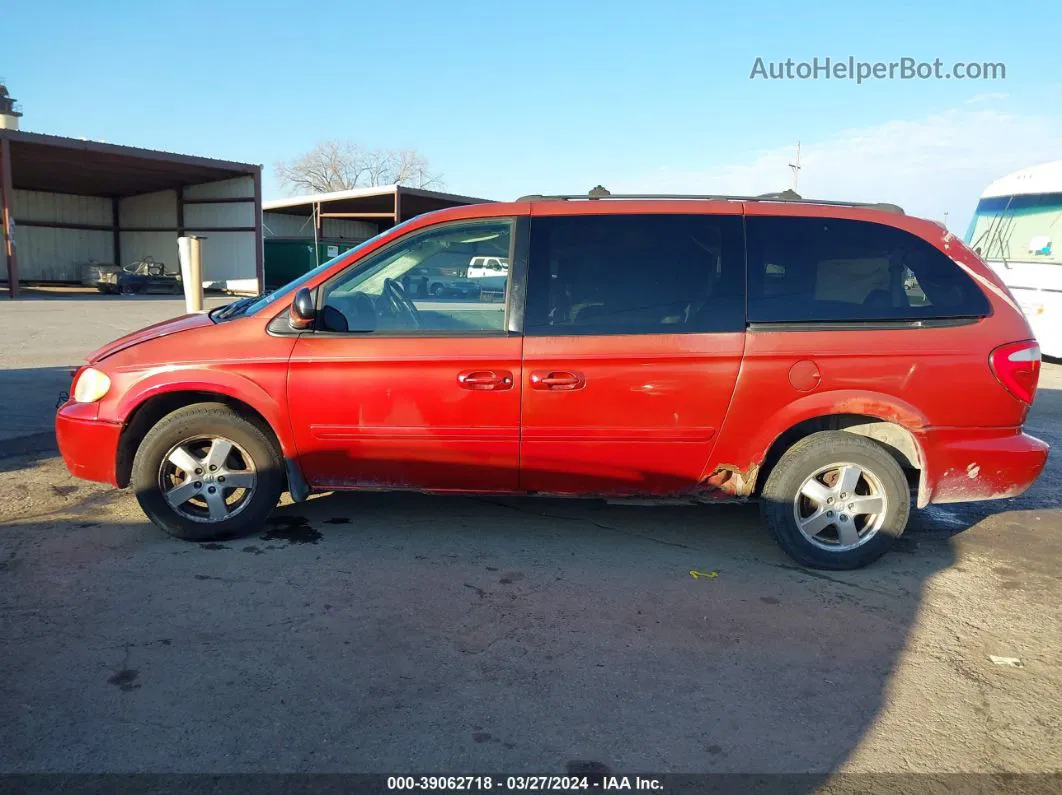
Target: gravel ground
point(399, 633)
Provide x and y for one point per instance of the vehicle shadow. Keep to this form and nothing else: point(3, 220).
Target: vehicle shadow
point(406, 633)
point(27, 422)
point(71, 293)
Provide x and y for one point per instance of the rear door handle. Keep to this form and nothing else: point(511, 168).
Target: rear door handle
point(557, 380)
point(485, 380)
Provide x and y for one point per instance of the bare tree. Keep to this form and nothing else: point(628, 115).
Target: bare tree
point(341, 165)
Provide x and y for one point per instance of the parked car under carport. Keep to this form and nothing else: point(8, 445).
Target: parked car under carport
point(144, 276)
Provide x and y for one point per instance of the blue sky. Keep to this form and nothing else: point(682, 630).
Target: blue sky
point(513, 98)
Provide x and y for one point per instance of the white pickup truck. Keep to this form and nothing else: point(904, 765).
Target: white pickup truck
point(491, 274)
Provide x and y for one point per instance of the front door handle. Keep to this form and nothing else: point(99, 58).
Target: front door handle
point(557, 380)
point(485, 380)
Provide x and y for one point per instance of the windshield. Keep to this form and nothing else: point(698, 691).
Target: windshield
point(266, 299)
point(1018, 228)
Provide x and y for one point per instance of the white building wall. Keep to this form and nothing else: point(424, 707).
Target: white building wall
point(59, 255)
point(148, 210)
point(48, 254)
point(32, 205)
point(215, 215)
point(53, 254)
point(230, 259)
point(348, 229)
point(285, 225)
point(160, 246)
point(227, 257)
point(236, 188)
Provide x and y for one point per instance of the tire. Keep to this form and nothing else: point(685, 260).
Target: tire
point(253, 459)
point(861, 538)
point(436, 290)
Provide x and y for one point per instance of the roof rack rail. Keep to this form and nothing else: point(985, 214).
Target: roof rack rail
point(786, 196)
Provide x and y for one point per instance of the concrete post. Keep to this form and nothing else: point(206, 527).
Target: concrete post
point(190, 253)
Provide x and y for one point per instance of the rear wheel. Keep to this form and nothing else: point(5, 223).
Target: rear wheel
point(205, 472)
point(836, 500)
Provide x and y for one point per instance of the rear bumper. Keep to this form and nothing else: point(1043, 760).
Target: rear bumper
point(89, 446)
point(967, 465)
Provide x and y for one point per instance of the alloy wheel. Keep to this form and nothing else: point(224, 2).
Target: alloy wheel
point(840, 507)
point(207, 478)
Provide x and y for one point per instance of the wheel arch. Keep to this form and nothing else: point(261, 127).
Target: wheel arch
point(885, 418)
point(140, 413)
point(898, 440)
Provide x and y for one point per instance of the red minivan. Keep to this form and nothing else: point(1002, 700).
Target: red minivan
point(837, 362)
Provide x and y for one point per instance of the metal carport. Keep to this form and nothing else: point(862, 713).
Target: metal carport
point(304, 231)
point(64, 200)
point(383, 205)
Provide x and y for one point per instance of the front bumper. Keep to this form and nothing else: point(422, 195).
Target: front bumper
point(968, 465)
point(89, 446)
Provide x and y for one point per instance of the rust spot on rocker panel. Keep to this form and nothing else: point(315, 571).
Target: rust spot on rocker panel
point(728, 481)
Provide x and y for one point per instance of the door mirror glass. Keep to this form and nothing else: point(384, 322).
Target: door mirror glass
point(301, 314)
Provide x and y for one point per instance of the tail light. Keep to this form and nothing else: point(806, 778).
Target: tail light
point(1017, 366)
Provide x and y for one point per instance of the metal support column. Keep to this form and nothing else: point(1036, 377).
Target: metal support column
point(316, 207)
point(117, 231)
point(259, 242)
point(7, 217)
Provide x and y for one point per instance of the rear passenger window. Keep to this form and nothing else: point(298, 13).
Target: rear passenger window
point(825, 269)
point(635, 274)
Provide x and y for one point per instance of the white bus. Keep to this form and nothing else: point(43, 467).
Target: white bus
point(1017, 229)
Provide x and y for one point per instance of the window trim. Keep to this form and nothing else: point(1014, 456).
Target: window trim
point(853, 324)
point(740, 261)
point(763, 326)
point(504, 331)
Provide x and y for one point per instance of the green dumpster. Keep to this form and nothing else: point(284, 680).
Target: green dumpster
point(287, 259)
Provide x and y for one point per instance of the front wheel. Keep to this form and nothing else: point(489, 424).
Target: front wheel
point(836, 500)
point(205, 472)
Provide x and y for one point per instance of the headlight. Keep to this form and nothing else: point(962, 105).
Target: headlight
point(91, 386)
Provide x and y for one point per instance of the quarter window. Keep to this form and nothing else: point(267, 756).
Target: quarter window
point(829, 270)
point(635, 274)
point(426, 283)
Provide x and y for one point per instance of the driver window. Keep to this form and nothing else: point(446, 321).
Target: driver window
point(430, 281)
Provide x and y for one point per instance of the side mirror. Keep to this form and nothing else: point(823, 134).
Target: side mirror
point(301, 313)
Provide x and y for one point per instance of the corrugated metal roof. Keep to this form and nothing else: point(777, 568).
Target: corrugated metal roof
point(93, 168)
